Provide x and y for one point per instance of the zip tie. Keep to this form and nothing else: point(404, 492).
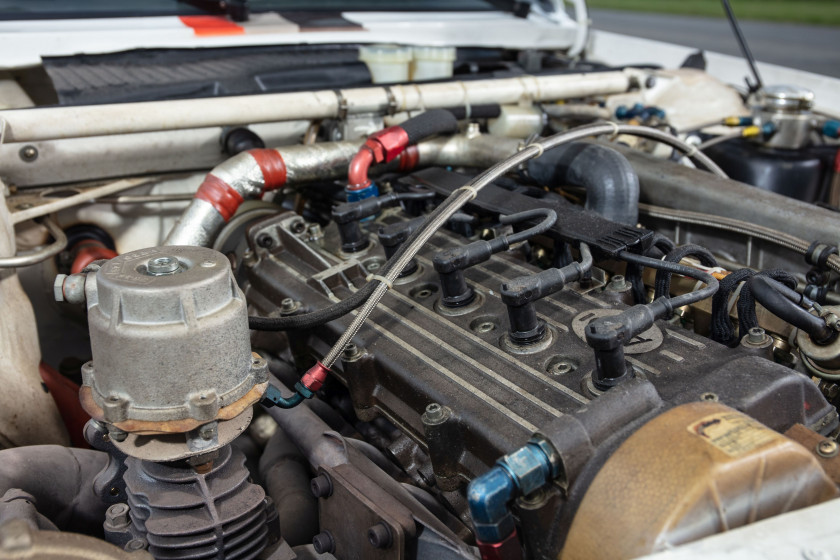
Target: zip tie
point(616, 130)
point(381, 278)
point(472, 190)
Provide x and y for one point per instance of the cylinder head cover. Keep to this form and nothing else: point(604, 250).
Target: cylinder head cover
point(170, 341)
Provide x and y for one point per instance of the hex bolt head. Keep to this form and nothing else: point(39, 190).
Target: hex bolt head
point(379, 536)
point(288, 304)
point(321, 486)
point(265, 241)
point(323, 543)
point(351, 351)
point(136, 544)
point(117, 515)
point(162, 265)
point(435, 412)
point(116, 434)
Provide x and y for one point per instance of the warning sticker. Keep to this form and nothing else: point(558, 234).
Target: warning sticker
point(732, 433)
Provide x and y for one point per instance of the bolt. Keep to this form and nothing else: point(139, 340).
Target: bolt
point(323, 543)
point(435, 413)
point(827, 448)
point(265, 241)
point(208, 264)
point(618, 283)
point(321, 486)
point(379, 536)
point(373, 266)
point(115, 433)
point(711, 397)
point(208, 431)
point(287, 304)
point(473, 130)
point(136, 544)
point(561, 367)
point(29, 153)
point(351, 351)
point(117, 515)
point(756, 335)
point(485, 327)
point(650, 82)
point(298, 226)
point(160, 266)
point(315, 231)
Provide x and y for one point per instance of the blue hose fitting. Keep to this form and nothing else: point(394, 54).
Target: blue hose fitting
point(360, 194)
point(517, 474)
point(273, 397)
point(831, 129)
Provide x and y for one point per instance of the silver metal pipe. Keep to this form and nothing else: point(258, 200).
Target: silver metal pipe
point(41, 254)
point(27, 125)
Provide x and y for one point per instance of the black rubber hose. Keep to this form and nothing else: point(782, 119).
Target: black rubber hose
point(784, 303)
point(612, 187)
point(60, 483)
point(489, 111)
point(685, 299)
point(428, 124)
point(662, 283)
point(660, 247)
point(747, 318)
point(285, 472)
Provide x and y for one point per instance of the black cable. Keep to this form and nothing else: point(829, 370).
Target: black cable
point(722, 330)
point(660, 247)
point(548, 218)
point(662, 284)
point(675, 268)
point(785, 304)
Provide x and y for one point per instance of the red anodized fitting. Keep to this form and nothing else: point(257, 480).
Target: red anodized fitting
point(315, 377)
point(382, 146)
point(508, 549)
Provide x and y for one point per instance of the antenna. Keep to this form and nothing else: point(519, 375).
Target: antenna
point(745, 48)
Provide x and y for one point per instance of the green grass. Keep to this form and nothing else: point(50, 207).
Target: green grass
point(821, 12)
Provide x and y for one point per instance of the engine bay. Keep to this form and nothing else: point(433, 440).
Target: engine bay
point(563, 312)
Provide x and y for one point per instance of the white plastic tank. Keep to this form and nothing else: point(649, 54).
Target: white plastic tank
point(388, 64)
point(432, 63)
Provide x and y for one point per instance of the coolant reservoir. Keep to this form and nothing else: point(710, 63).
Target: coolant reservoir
point(698, 469)
point(388, 64)
point(432, 63)
point(517, 122)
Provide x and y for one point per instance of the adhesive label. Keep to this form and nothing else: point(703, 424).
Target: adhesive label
point(732, 433)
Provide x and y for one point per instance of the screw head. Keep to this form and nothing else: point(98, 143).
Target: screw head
point(561, 367)
point(827, 448)
point(163, 265)
point(29, 153)
point(287, 304)
point(379, 536)
point(265, 241)
point(323, 543)
point(435, 414)
point(351, 351)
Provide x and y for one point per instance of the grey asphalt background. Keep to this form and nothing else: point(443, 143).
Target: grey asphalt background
point(806, 47)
